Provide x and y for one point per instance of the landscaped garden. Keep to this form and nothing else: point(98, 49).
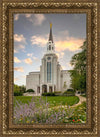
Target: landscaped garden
point(48, 110)
point(58, 107)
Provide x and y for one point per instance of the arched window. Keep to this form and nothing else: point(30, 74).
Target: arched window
point(49, 47)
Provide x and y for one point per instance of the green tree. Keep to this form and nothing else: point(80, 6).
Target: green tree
point(16, 88)
point(78, 73)
point(19, 90)
point(22, 89)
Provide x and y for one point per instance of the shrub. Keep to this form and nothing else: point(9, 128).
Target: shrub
point(58, 93)
point(30, 90)
point(48, 94)
point(18, 93)
point(69, 92)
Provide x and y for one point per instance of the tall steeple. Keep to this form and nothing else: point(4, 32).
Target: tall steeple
point(50, 44)
point(50, 35)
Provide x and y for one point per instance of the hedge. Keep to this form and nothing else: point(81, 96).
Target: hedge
point(48, 94)
point(18, 93)
point(30, 90)
point(69, 92)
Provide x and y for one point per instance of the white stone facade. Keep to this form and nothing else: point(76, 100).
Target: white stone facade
point(51, 76)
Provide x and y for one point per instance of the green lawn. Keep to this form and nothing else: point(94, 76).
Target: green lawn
point(52, 100)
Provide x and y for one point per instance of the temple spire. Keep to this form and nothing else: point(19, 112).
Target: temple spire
point(50, 35)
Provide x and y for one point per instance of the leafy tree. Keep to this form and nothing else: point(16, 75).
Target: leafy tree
point(78, 74)
point(16, 88)
point(23, 89)
point(19, 90)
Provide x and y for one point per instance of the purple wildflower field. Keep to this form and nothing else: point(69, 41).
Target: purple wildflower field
point(40, 112)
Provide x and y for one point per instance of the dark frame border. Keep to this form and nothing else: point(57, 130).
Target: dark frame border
point(10, 7)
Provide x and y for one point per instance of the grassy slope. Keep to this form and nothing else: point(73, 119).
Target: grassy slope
point(53, 100)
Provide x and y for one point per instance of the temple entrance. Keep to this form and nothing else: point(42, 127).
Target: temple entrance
point(44, 88)
point(50, 89)
point(38, 89)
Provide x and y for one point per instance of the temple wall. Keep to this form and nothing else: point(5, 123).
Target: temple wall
point(33, 81)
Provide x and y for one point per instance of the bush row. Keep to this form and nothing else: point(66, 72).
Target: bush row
point(48, 94)
point(69, 92)
point(18, 93)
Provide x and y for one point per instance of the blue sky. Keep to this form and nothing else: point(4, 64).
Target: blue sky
point(31, 33)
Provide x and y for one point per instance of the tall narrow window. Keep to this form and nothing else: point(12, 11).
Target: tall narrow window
point(49, 47)
point(48, 71)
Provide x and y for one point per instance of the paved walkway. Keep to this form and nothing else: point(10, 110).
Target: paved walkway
point(81, 99)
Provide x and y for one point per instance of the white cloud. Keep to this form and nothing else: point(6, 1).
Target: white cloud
point(39, 40)
point(71, 44)
point(36, 19)
point(16, 17)
point(28, 61)
point(16, 79)
point(19, 38)
point(15, 51)
point(19, 43)
point(20, 69)
point(60, 55)
point(23, 76)
point(39, 19)
point(18, 47)
point(30, 54)
point(16, 60)
point(19, 78)
point(35, 58)
point(62, 42)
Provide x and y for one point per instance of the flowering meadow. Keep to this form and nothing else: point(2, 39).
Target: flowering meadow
point(40, 111)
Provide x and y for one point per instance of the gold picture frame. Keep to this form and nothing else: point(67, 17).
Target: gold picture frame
point(10, 7)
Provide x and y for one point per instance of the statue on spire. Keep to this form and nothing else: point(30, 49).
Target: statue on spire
point(50, 25)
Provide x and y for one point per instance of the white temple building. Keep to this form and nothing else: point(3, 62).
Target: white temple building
point(51, 77)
